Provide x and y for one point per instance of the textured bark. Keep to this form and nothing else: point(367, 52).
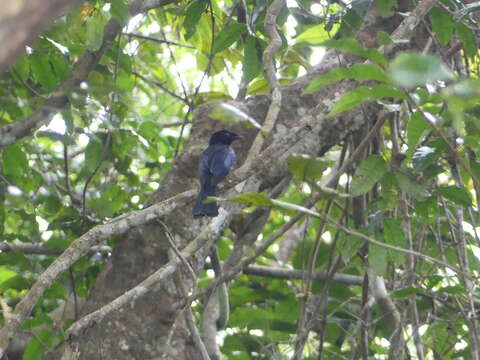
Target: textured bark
point(150, 328)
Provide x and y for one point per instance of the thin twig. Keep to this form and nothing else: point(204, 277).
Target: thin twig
point(270, 72)
point(232, 272)
point(160, 41)
point(163, 88)
point(177, 252)
point(292, 274)
point(197, 339)
point(369, 239)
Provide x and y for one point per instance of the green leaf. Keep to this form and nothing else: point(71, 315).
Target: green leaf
point(467, 91)
point(349, 246)
point(359, 72)
point(192, 17)
point(257, 199)
point(252, 61)
point(458, 195)
point(353, 46)
point(306, 168)
point(378, 259)
point(385, 7)
point(363, 94)
point(393, 235)
point(416, 190)
point(40, 319)
point(33, 350)
point(423, 157)
point(150, 130)
point(383, 38)
point(406, 293)
point(228, 36)
point(93, 152)
point(16, 283)
point(94, 33)
point(22, 67)
point(313, 35)
point(442, 24)
point(389, 199)
point(468, 39)
point(60, 66)
point(15, 161)
point(125, 81)
point(42, 341)
point(393, 232)
point(211, 96)
point(6, 274)
point(416, 127)
point(411, 70)
point(452, 289)
point(3, 188)
point(120, 12)
point(367, 174)
point(56, 291)
point(42, 70)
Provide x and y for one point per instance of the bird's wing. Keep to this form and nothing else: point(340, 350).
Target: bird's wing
point(220, 160)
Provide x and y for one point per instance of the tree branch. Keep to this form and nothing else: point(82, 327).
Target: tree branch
point(205, 239)
point(270, 71)
point(279, 273)
point(41, 249)
point(77, 249)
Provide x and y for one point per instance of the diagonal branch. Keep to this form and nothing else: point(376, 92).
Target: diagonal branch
point(40, 248)
point(78, 248)
point(205, 239)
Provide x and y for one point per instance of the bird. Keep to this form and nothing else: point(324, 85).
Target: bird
point(215, 163)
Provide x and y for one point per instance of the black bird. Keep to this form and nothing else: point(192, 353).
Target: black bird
point(215, 163)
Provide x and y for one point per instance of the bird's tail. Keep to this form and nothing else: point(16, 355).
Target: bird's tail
point(201, 209)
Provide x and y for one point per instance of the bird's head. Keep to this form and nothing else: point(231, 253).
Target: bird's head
point(224, 137)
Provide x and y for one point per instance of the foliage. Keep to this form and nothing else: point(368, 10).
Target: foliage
point(107, 151)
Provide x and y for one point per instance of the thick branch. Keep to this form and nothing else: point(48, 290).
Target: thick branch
point(40, 248)
point(205, 239)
